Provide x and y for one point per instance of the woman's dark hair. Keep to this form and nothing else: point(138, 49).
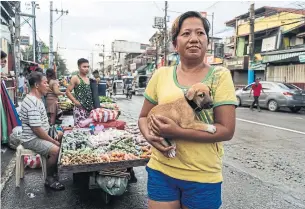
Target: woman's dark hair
point(38, 69)
point(179, 21)
point(35, 78)
point(51, 74)
point(3, 55)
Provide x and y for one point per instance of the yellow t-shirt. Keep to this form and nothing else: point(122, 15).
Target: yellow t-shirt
point(194, 161)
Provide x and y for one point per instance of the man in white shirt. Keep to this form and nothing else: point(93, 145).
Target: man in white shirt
point(21, 80)
point(35, 127)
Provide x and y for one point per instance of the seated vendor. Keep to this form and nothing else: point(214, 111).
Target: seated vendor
point(35, 127)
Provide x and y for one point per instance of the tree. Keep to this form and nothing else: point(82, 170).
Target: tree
point(61, 66)
point(60, 63)
point(27, 54)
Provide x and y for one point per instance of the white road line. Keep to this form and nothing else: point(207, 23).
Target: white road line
point(271, 126)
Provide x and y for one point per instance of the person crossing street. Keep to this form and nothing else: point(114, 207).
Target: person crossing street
point(257, 89)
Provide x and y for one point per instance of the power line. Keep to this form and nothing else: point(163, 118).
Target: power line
point(80, 49)
point(201, 10)
point(27, 21)
point(157, 6)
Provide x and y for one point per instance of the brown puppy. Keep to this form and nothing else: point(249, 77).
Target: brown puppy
point(183, 112)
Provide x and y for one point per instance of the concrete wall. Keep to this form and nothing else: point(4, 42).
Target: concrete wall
point(285, 19)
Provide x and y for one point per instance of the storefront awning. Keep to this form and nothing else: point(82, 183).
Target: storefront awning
point(279, 57)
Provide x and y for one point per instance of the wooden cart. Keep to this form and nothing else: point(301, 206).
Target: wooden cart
point(91, 169)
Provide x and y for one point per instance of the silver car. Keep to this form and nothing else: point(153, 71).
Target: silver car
point(276, 95)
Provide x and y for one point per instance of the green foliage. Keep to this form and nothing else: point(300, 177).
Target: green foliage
point(60, 63)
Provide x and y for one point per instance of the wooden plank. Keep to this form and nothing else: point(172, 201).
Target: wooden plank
point(100, 166)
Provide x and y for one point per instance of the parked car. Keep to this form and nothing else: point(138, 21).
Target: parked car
point(277, 95)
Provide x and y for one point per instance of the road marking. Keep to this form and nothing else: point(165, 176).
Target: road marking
point(299, 118)
point(271, 126)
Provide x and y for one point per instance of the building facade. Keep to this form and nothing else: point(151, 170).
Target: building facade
point(275, 29)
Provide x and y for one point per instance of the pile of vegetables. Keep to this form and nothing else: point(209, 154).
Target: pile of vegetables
point(65, 103)
point(104, 99)
point(80, 147)
point(110, 106)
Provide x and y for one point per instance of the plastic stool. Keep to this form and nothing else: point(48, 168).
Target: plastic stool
point(21, 151)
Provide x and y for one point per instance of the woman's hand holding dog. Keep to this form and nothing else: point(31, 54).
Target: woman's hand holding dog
point(155, 141)
point(165, 127)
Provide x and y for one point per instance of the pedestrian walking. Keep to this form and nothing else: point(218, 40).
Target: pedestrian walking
point(193, 178)
point(21, 83)
point(257, 89)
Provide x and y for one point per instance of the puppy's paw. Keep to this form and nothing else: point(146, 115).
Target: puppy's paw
point(171, 153)
point(211, 129)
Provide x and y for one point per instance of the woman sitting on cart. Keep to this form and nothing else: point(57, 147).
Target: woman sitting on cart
point(192, 179)
point(35, 127)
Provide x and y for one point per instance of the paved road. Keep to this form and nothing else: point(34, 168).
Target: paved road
point(263, 169)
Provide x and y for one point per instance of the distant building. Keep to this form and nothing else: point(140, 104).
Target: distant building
point(279, 46)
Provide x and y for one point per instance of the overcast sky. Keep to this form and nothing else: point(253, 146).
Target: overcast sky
point(96, 22)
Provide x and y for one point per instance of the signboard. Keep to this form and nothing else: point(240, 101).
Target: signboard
point(128, 47)
point(219, 50)
point(237, 63)
point(302, 58)
point(158, 22)
point(211, 60)
point(133, 66)
point(24, 40)
point(269, 44)
point(257, 66)
point(151, 51)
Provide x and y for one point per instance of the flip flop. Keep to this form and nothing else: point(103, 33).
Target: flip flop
point(55, 185)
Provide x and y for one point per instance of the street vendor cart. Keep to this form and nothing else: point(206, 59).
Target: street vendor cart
point(104, 157)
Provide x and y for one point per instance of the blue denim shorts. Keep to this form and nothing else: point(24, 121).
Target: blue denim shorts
point(193, 195)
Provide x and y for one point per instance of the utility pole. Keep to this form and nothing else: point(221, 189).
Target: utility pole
point(51, 36)
point(34, 30)
point(251, 43)
point(17, 38)
point(103, 59)
point(165, 33)
point(92, 53)
point(16, 46)
point(62, 12)
point(157, 51)
point(212, 33)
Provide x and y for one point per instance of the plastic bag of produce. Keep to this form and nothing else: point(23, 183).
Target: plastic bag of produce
point(85, 123)
point(110, 106)
point(32, 161)
point(15, 137)
point(103, 115)
point(112, 185)
point(118, 124)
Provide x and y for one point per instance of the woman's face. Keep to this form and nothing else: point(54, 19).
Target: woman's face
point(192, 39)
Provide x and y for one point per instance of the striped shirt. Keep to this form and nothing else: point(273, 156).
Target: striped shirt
point(32, 114)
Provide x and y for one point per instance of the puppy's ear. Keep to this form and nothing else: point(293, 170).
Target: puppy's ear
point(190, 94)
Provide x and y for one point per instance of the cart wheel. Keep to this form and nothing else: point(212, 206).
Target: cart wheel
point(106, 197)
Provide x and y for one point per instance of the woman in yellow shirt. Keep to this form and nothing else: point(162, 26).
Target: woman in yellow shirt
point(193, 178)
